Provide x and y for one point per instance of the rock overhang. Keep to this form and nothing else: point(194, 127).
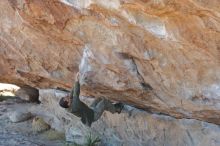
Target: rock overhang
point(162, 56)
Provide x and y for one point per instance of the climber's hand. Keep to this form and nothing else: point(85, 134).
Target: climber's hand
point(77, 76)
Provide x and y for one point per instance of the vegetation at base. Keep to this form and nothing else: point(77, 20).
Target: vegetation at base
point(53, 135)
point(90, 141)
point(2, 97)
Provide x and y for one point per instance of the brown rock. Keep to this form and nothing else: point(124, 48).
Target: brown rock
point(28, 93)
point(163, 56)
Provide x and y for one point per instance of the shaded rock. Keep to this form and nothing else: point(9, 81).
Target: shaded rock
point(28, 93)
point(163, 56)
point(19, 116)
point(131, 127)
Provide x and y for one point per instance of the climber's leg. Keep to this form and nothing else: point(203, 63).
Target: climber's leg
point(107, 105)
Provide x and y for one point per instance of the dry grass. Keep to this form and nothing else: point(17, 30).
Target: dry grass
point(2, 97)
point(53, 135)
point(39, 125)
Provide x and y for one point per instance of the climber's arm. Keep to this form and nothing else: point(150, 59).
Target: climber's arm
point(76, 103)
point(71, 95)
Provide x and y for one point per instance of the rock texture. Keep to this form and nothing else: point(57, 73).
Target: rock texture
point(21, 133)
point(28, 93)
point(19, 116)
point(162, 56)
point(132, 127)
point(39, 125)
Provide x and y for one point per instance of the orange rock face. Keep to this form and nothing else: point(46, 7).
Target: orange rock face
point(162, 56)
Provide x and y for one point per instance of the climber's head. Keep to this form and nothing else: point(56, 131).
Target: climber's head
point(65, 102)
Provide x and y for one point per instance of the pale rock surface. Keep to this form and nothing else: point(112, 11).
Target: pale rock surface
point(159, 55)
point(19, 116)
point(75, 135)
point(132, 127)
point(21, 133)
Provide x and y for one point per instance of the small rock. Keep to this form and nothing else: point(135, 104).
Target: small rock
point(19, 116)
point(39, 125)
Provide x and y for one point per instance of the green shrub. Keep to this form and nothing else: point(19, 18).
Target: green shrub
point(2, 97)
point(90, 141)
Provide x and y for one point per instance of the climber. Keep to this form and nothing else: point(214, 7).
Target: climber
point(87, 114)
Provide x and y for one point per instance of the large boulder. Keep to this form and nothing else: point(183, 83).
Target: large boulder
point(162, 56)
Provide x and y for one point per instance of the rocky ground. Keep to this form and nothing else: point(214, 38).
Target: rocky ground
point(131, 127)
point(21, 133)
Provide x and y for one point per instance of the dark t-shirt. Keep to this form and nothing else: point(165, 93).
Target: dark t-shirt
point(79, 108)
point(85, 113)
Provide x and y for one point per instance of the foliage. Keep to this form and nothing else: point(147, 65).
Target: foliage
point(54, 135)
point(2, 97)
point(90, 141)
